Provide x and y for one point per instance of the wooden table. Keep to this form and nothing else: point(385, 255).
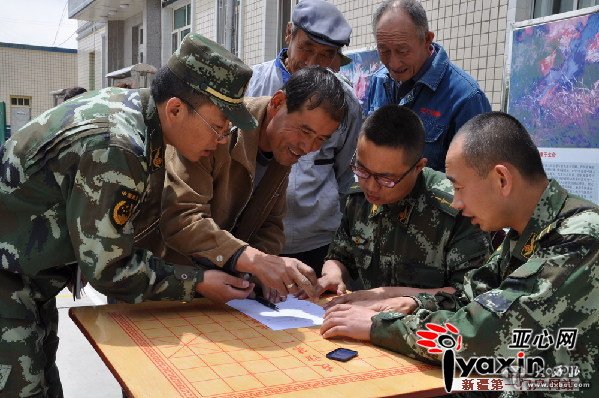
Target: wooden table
point(202, 349)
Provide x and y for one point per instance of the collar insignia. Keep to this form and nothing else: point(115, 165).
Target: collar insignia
point(529, 247)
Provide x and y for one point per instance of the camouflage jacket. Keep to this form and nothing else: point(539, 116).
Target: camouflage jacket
point(71, 183)
point(420, 241)
point(545, 280)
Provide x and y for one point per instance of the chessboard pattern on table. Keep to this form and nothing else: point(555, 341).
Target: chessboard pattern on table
point(204, 352)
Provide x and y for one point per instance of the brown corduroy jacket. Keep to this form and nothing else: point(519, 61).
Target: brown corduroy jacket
point(208, 209)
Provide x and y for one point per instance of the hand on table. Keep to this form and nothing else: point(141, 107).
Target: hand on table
point(221, 287)
point(345, 320)
point(364, 298)
point(284, 274)
point(405, 305)
point(272, 295)
point(332, 283)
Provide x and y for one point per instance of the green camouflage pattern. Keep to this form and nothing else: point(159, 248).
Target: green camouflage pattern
point(421, 241)
point(72, 182)
point(546, 279)
point(209, 68)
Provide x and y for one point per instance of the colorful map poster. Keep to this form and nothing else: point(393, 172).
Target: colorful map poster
point(365, 64)
point(554, 92)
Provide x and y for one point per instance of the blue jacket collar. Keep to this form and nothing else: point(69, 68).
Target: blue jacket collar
point(280, 64)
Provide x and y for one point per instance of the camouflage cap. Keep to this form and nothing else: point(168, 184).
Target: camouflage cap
point(212, 70)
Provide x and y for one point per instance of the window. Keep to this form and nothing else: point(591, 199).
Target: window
point(228, 24)
point(137, 44)
point(544, 8)
point(92, 71)
point(181, 25)
point(20, 101)
point(285, 8)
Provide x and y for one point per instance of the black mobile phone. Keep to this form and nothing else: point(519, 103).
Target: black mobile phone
point(342, 354)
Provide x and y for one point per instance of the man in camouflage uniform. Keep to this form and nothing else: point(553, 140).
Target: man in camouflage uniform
point(544, 278)
point(72, 183)
point(398, 229)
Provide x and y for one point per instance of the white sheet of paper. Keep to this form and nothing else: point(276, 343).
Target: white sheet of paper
point(292, 314)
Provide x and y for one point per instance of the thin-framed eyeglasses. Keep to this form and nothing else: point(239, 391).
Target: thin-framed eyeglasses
point(219, 136)
point(382, 180)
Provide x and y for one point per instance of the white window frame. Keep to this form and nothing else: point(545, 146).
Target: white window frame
point(576, 4)
point(20, 100)
point(284, 17)
point(221, 26)
point(183, 30)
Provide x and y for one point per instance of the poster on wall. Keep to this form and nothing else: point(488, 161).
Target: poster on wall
point(554, 92)
point(364, 64)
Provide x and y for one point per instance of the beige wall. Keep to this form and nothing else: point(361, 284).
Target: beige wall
point(92, 42)
point(253, 32)
point(472, 32)
point(35, 73)
point(204, 15)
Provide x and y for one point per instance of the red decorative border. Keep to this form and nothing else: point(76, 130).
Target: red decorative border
point(154, 356)
point(180, 384)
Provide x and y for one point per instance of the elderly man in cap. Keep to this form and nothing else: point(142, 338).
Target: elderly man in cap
point(319, 182)
point(418, 74)
point(227, 209)
point(81, 182)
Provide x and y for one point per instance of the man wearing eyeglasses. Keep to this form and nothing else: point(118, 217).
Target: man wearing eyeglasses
point(399, 236)
point(319, 182)
point(80, 190)
point(225, 211)
point(541, 284)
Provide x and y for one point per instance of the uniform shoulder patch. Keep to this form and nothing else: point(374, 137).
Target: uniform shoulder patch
point(443, 201)
point(123, 207)
point(441, 190)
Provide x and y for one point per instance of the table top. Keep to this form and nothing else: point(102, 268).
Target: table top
point(203, 349)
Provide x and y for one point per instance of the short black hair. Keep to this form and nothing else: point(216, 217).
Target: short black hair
point(496, 137)
point(73, 92)
point(320, 88)
point(167, 85)
point(397, 127)
point(413, 8)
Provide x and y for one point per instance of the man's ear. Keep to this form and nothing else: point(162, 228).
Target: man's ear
point(278, 100)
point(173, 107)
point(421, 164)
point(503, 179)
point(429, 37)
point(288, 33)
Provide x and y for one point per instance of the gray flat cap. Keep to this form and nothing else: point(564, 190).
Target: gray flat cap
point(322, 21)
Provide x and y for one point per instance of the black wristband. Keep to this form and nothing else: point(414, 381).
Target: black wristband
point(231, 264)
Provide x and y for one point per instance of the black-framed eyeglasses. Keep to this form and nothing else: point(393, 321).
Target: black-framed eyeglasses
point(382, 180)
point(219, 136)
